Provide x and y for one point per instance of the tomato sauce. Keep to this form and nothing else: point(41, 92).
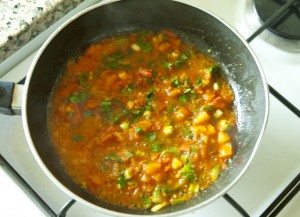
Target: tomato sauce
point(143, 120)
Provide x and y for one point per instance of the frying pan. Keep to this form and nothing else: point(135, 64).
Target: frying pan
point(208, 33)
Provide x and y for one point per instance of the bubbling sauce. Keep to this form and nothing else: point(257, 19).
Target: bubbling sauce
point(142, 120)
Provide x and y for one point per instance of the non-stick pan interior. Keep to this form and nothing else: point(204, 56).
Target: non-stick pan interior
point(196, 26)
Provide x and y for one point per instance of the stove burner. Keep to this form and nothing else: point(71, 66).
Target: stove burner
point(288, 24)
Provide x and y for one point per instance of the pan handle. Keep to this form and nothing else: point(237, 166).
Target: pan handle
point(10, 98)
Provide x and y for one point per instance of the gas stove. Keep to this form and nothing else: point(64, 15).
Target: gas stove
point(269, 187)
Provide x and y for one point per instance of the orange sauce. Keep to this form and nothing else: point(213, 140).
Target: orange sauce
point(142, 120)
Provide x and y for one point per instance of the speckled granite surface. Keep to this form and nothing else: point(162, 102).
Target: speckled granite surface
point(22, 20)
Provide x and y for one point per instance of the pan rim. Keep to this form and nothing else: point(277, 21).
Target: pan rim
point(70, 193)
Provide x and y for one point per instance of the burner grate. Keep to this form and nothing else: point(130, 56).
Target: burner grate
point(287, 25)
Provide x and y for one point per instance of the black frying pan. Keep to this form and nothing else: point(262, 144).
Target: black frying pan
point(207, 32)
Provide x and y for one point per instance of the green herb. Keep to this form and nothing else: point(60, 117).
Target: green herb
point(164, 77)
point(170, 109)
point(157, 147)
point(116, 118)
point(128, 89)
point(187, 133)
point(151, 65)
point(113, 61)
point(207, 108)
point(180, 61)
point(113, 110)
point(187, 90)
point(199, 81)
point(172, 150)
point(128, 154)
point(229, 128)
point(148, 107)
point(150, 136)
point(145, 46)
point(106, 104)
point(188, 172)
point(166, 190)
point(168, 65)
point(121, 181)
point(213, 68)
point(88, 113)
point(188, 94)
point(113, 57)
point(83, 78)
point(154, 74)
point(175, 82)
point(186, 82)
point(103, 168)
point(112, 157)
point(176, 201)
point(76, 137)
point(121, 41)
point(147, 202)
point(183, 98)
point(149, 81)
point(138, 112)
point(143, 35)
point(149, 95)
point(78, 97)
point(157, 191)
point(139, 130)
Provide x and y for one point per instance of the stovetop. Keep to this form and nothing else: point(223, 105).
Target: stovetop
point(274, 167)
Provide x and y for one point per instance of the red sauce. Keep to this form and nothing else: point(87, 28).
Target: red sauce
point(142, 120)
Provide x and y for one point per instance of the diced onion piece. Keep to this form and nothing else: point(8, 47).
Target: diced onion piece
point(156, 198)
point(119, 136)
point(184, 158)
point(68, 109)
point(211, 130)
point(218, 113)
point(216, 86)
point(222, 124)
point(128, 173)
point(201, 117)
point(145, 178)
point(147, 114)
point(197, 129)
point(194, 188)
point(158, 177)
point(140, 153)
point(176, 163)
point(175, 55)
point(124, 125)
point(204, 138)
point(122, 74)
point(84, 185)
point(151, 168)
point(157, 207)
point(135, 47)
point(223, 137)
point(130, 105)
point(226, 150)
point(176, 201)
point(181, 113)
point(174, 92)
point(168, 130)
point(214, 173)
